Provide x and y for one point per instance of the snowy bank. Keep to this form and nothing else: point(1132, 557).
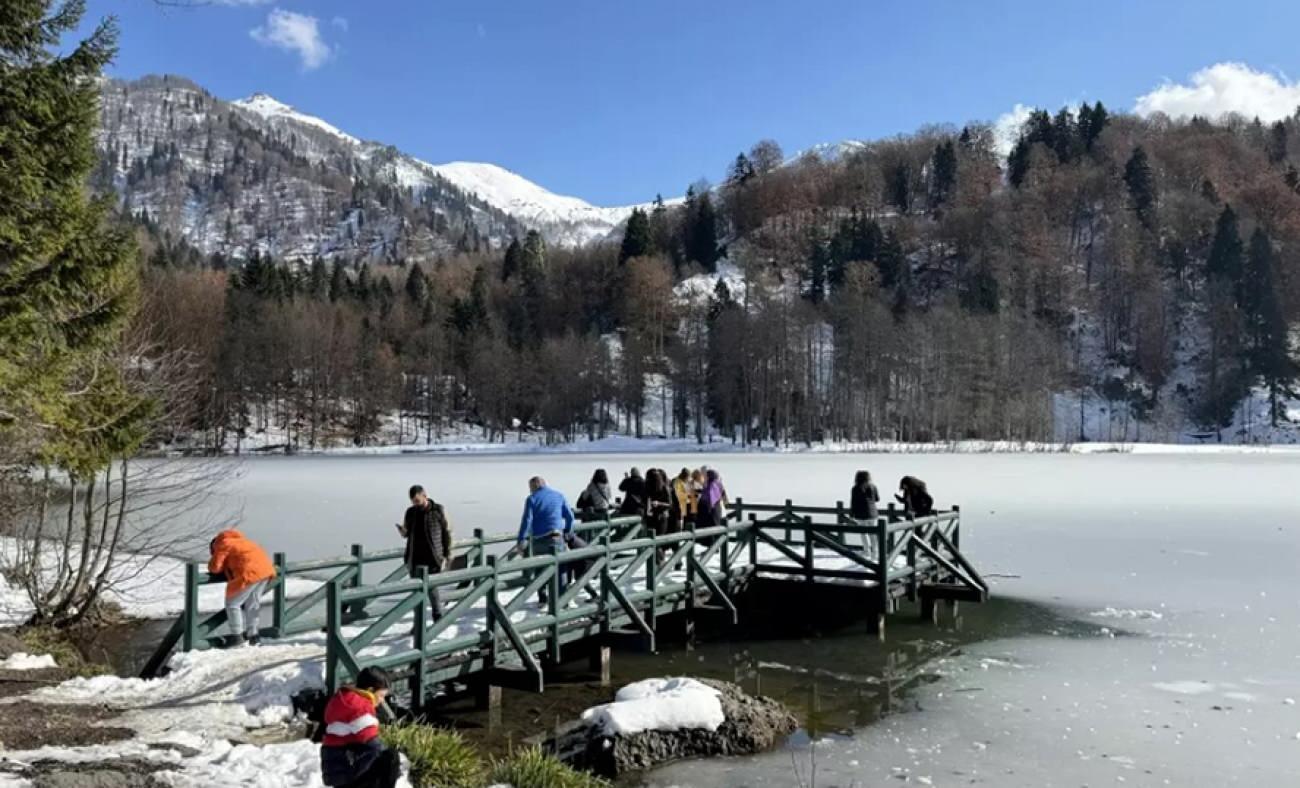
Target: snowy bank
point(142, 587)
point(23, 661)
point(661, 720)
point(658, 705)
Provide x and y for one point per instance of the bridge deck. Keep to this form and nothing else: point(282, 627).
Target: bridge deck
point(494, 619)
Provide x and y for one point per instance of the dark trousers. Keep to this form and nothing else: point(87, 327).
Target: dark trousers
point(383, 773)
point(435, 600)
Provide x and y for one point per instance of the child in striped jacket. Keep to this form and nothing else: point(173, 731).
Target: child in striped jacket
point(351, 754)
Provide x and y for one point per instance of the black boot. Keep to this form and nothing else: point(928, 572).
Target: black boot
point(233, 640)
point(254, 640)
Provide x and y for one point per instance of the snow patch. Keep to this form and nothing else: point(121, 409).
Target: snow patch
point(1129, 614)
point(23, 661)
point(667, 704)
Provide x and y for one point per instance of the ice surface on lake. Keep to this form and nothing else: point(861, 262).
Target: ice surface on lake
point(1206, 541)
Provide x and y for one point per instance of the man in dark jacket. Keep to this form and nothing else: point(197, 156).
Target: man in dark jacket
point(428, 541)
point(351, 754)
point(633, 489)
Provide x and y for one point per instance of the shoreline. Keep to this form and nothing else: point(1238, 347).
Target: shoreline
point(626, 445)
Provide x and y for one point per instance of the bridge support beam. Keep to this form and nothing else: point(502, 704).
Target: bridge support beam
point(599, 662)
point(487, 697)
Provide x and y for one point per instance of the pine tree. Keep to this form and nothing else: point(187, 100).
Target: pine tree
point(1277, 143)
point(741, 171)
point(637, 239)
point(1065, 136)
point(1224, 261)
point(943, 173)
point(68, 278)
point(899, 186)
point(891, 261)
point(513, 259)
point(1097, 120)
point(701, 229)
point(817, 269)
point(417, 286)
point(340, 286)
point(1266, 325)
point(1141, 186)
point(318, 282)
point(661, 231)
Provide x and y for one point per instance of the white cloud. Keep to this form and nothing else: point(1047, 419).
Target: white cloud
point(296, 33)
point(1006, 129)
point(340, 22)
point(242, 2)
point(1223, 88)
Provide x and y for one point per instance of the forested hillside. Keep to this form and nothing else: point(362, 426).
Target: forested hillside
point(1113, 277)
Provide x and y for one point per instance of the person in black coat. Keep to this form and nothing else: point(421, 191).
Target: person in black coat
point(914, 497)
point(864, 498)
point(633, 489)
point(428, 540)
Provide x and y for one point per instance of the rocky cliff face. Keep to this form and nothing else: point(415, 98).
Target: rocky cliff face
point(231, 177)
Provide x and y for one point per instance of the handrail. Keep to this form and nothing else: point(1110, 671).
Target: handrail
point(625, 577)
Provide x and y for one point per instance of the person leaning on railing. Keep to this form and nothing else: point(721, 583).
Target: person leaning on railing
point(247, 570)
point(547, 520)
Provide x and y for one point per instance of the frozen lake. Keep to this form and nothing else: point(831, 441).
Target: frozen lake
point(1182, 569)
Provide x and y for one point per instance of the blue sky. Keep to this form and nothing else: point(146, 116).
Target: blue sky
point(615, 100)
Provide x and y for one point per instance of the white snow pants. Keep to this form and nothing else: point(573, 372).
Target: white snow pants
point(246, 606)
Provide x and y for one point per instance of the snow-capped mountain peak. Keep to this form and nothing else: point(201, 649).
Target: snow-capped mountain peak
point(561, 218)
point(272, 109)
point(573, 220)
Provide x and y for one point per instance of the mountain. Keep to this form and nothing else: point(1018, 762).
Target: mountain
point(233, 177)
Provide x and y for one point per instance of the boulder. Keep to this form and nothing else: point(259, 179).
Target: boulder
point(751, 725)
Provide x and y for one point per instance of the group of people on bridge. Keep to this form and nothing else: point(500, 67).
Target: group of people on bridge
point(693, 499)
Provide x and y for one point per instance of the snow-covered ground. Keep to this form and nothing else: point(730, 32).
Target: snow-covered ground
point(144, 587)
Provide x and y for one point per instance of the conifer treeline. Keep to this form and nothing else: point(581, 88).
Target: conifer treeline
point(920, 288)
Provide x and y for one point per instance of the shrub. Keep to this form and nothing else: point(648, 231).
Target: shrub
point(56, 643)
point(439, 758)
point(531, 768)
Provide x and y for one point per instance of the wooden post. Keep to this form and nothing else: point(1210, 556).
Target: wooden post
point(419, 640)
point(789, 512)
point(479, 549)
point(652, 585)
point(553, 607)
point(488, 697)
point(810, 559)
point(753, 540)
point(190, 638)
point(333, 631)
point(956, 528)
point(600, 664)
point(882, 561)
point(739, 511)
point(279, 597)
point(689, 612)
point(490, 621)
point(357, 609)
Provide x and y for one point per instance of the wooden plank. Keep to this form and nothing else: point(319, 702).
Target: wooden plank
point(781, 547)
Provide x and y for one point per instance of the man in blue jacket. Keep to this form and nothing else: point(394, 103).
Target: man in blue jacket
point(547, 519)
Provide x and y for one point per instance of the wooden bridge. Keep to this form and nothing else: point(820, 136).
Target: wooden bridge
point(492, 630)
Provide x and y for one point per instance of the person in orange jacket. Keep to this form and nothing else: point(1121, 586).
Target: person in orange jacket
point(248, 570)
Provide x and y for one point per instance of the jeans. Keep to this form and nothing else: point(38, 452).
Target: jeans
point(245, 608)
point(547, 545)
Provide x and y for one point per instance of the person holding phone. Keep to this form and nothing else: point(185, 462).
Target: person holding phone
point(428, 540)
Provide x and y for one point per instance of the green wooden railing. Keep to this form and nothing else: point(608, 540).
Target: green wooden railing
point(625, 579)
